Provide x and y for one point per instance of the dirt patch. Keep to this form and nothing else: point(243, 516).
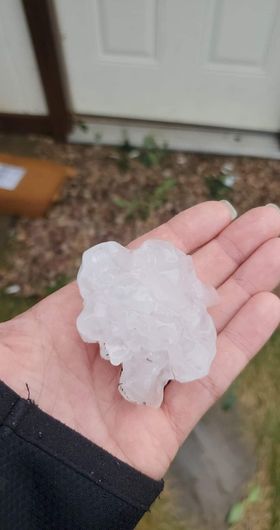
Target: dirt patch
point(119, 195)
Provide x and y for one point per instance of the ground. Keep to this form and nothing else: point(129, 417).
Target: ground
point(119, 193)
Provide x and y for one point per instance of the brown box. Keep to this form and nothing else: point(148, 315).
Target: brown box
point(38, 188)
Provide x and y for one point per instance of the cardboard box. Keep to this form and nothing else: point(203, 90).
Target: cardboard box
point(37, 188)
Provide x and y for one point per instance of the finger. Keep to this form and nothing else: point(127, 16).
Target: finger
point(260, 272)
point(188, 230)
point(193, 227)
point(217, 260)
point(185, 403)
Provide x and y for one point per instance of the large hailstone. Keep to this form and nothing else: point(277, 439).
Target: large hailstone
point(147, 310)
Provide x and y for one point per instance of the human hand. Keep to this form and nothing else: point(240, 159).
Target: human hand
point(68, 379)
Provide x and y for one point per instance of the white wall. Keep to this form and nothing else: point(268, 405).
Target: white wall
point(20, 85)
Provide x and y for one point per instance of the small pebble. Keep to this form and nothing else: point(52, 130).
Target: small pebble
point(13, 289)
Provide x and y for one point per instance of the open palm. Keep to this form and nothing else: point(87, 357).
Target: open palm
point(69, 380)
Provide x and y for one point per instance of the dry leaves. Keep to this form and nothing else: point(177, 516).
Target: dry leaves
point(49, 248)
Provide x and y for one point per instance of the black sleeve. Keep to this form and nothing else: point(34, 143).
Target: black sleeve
point(51, 477)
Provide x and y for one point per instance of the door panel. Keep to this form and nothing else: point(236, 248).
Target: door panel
point(133, 41)
point(240, 33)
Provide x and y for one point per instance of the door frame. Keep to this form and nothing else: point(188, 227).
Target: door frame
point(46, 41)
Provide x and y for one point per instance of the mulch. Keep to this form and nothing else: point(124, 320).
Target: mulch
point(48, 250)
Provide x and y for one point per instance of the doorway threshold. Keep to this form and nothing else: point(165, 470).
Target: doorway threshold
point(195, 139)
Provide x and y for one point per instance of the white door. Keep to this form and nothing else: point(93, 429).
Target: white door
point(212, 62)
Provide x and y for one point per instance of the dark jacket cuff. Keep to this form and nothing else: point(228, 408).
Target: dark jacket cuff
point(52, 445)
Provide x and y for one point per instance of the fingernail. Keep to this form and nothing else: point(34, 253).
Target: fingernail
point(233, 212)
point(273, 205)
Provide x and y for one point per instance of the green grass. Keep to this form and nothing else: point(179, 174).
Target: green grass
point(11, 305)
point(164, 514)
point(146, 201)
point(259, 391)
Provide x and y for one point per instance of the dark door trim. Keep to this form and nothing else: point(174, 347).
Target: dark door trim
point(25, 123)
point(42, 23)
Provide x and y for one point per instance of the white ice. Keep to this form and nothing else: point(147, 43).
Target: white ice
point(147, 309)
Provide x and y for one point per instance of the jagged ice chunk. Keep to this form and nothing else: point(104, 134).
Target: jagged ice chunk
point(147, 309)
